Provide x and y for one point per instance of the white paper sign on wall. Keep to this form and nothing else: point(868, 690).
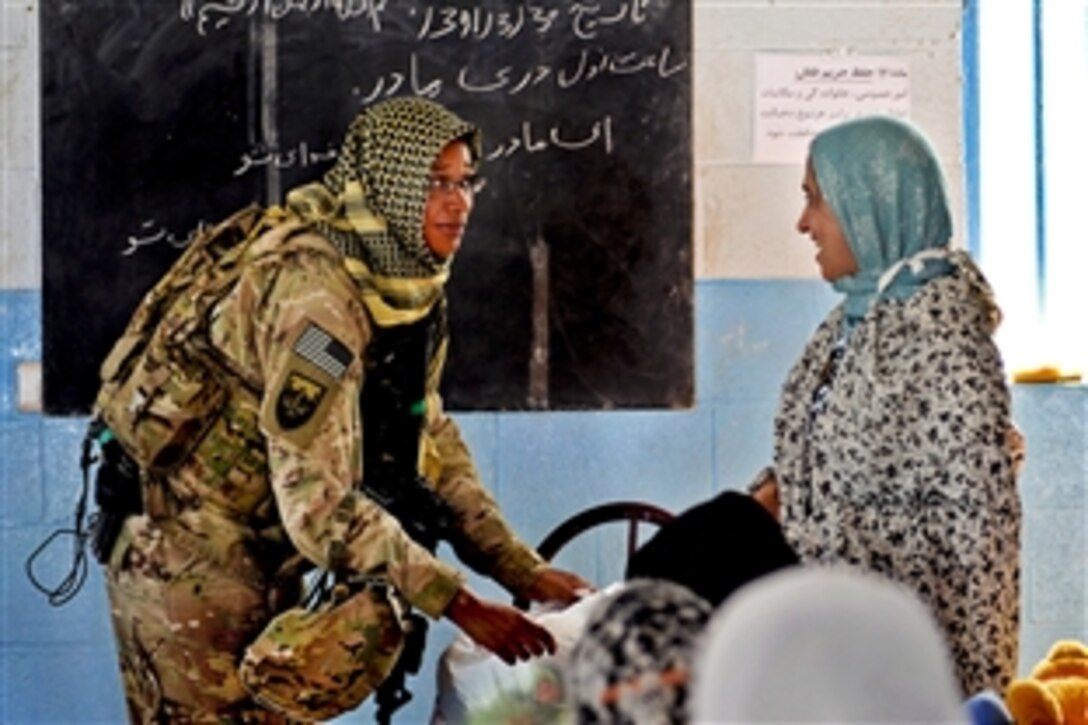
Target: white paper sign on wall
point(797, 96)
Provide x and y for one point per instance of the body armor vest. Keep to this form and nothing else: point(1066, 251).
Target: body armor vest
point(393, 408)
point(393, 396)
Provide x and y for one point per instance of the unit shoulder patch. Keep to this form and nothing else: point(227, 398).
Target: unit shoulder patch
point(298, 400)
point(308, 384)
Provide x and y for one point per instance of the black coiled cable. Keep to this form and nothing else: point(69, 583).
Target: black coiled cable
point(80, 532)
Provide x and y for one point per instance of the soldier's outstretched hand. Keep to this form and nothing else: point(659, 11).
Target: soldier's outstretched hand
point(558, 585)
point(502, 629)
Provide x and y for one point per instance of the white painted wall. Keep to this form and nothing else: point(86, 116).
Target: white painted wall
point(744, 211)
point(20, 177)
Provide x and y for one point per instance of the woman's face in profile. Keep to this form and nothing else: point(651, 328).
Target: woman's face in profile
point(818, 221)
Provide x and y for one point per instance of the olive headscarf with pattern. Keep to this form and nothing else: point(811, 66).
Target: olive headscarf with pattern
point(370, 204)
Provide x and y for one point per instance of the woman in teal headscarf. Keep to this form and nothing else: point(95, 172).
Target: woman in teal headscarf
point(894, 445)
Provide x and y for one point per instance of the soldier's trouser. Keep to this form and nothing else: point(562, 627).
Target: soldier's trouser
point(182, 621)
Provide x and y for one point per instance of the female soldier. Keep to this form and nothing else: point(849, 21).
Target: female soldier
point(298, 419)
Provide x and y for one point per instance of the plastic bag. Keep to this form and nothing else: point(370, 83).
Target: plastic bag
point(476, 687)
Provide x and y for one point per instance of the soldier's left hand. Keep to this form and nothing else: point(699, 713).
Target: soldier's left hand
point(557, 585)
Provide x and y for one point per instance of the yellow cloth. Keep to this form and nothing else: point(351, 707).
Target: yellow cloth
point(390, 300)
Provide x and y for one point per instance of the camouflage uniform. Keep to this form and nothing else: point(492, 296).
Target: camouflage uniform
point(195, 578)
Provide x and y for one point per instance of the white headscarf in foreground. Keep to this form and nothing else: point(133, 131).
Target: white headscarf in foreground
point(824, 645)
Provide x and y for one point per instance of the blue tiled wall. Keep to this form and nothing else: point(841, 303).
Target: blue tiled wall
point(58, 663)
point(1053, 489)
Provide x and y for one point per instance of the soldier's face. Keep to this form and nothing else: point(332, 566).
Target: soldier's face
point(451, 190)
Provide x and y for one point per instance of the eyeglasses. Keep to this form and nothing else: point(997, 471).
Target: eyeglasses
point(469, 185)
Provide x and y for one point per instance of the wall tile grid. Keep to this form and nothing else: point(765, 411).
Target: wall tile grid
point(756, 303)
point(1055, 500)
point(543, 467)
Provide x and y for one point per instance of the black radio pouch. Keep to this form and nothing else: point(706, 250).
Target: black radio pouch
point(116, 491)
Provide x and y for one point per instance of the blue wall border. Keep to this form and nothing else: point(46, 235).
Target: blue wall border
point(969, 61)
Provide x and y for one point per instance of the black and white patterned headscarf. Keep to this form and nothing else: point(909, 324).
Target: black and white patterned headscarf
point(633, 661)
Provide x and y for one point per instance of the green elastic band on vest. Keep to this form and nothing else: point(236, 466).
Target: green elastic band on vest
point(418, 407)
point(105, 436)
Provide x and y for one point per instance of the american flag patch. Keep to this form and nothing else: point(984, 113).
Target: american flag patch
point(323, 350)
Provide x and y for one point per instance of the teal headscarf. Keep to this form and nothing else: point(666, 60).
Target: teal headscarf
point(884, 184)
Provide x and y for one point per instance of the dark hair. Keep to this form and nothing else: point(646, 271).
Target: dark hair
point(715, 547)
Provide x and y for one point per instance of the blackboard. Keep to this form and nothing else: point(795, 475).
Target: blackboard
point(573, 289)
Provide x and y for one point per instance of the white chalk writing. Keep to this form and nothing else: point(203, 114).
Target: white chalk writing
point(529, 138)
point(532, 140)
point(301, 156)
point(152, 233)
point(588, 65)
point(393, 82)
point(584, 20)
point(210, 15)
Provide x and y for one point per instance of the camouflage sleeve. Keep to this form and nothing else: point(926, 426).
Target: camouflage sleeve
point(311, 331)
point(484, 541)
